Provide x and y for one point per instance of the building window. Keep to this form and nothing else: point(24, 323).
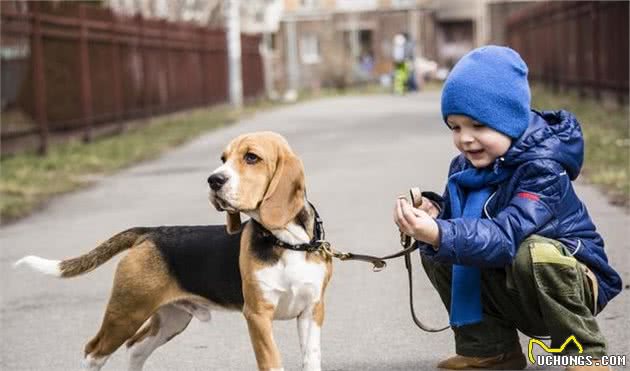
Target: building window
point(309, 4)
point(356, 4)
point(309, 49)
point(403, 3)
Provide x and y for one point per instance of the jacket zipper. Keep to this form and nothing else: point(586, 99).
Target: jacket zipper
point(485, 205)
point(579, 244)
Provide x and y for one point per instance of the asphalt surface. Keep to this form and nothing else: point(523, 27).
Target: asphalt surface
point(359, 153)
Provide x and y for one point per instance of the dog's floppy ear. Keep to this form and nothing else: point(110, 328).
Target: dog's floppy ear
point(285, 195)
point(233, 222)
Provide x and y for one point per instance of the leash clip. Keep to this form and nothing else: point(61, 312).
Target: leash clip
point(378, 266)
point(325, 248)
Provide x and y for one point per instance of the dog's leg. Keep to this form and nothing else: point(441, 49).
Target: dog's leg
point(117, 327)
point(91, 363)
point(259, 323)
point(303, 324)
point(309, 331)
point(139, 282)
point(167, 323)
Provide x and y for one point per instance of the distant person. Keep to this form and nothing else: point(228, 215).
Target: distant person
point(510, 245)
point(401, 73)
point(366, 65)
point(410, 56)
point(398, 48)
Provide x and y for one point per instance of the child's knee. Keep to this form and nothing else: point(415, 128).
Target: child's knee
point(536, 250)
point(550, 263)
point(432, 266)
point(522, 263)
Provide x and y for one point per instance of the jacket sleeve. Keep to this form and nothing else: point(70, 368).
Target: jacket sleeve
point(493, 242)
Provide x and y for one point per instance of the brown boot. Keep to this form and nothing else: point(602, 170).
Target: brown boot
point(514, 360)
point(588, 368)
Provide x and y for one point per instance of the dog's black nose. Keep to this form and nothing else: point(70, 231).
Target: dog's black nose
point(216, 181)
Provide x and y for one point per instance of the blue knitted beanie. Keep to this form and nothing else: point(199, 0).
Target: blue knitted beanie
point(489, 84)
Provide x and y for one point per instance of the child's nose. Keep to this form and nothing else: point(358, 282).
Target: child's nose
point(466, 137)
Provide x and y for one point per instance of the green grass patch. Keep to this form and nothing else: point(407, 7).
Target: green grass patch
point(27, 180)
point(606, 136)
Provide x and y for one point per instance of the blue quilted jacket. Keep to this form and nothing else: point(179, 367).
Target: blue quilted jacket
point(537, 199)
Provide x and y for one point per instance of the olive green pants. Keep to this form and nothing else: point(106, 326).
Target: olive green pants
point(545, 292)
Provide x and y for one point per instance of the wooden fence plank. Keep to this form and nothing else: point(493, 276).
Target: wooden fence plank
point(151, 67)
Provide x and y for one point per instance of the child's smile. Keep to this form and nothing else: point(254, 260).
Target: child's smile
point(474, 152)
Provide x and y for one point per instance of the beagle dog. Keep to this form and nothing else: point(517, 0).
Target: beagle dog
point(171, 274)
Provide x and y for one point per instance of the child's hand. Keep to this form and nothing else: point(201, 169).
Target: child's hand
point(416, 223)
point(429, 207)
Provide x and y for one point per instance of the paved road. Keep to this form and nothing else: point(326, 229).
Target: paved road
point(359, 153)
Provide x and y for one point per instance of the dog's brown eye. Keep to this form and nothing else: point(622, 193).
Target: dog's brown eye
point(251, 158)
point(223, 159)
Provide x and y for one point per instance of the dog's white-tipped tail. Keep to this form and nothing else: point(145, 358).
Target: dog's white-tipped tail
point(46, 266)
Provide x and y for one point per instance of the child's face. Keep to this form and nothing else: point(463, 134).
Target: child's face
point(479, 143)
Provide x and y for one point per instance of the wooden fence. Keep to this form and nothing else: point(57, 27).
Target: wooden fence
point(73, 67)
point(580, 45)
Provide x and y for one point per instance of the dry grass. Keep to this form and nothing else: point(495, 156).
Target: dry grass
point(27, 180)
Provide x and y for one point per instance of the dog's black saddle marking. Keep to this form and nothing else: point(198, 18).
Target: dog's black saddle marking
point(262, 245)
point(204, 260)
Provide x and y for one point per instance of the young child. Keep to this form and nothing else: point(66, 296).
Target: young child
point(510, 245)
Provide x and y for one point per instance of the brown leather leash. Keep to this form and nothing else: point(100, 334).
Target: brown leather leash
point(379, 262)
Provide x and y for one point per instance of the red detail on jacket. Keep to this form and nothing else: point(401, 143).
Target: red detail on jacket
point(529, 196)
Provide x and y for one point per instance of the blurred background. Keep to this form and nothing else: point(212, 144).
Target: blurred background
point(81, 70)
